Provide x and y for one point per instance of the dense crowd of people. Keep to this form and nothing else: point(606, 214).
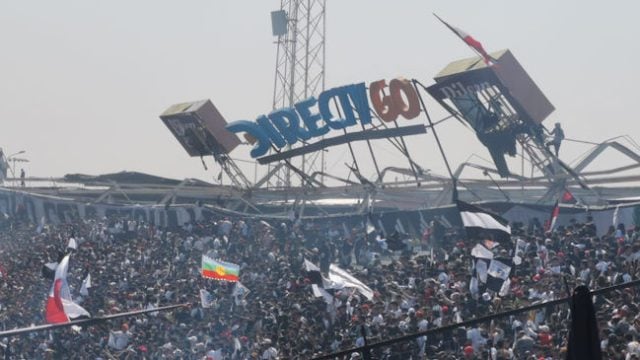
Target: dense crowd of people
point(135, 265)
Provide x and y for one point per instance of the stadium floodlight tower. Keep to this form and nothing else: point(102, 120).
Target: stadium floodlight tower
point(299, 26)
point(503, 105)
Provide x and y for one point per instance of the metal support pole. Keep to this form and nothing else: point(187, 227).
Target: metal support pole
point(353, 155)
point(435, 134)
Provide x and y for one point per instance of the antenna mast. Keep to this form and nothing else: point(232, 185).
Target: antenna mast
point(299, 26)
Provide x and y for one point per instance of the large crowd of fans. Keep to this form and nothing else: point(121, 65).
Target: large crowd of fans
point(135, 265)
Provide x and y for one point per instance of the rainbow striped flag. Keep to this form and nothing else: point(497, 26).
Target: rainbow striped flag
point(219, 270)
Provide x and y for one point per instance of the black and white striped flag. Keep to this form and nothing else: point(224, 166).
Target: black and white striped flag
point(491, 274)
point(498, 277)
point(337, 279)
point(483, 224)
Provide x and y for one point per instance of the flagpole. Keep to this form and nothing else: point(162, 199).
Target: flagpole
point(463, 39)
point(454, 181)
point(450, 28)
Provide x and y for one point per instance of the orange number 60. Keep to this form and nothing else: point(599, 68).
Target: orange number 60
point(388, 107)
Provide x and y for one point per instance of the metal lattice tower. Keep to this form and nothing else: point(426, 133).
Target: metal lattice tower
point(300, 71)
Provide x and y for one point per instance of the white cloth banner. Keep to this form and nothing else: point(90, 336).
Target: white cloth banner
point(521, 247)
point(481, 252)
point(481, 270)
point(504, 290)
point(341, 277)
point(151, 306)
point(616, 216)
point(43, 221)
point(320, 292)
point(473, 287)
point(499, 270)
point(240, 292)
point(370, 227)
point(86, 284)
point(206, 299)
point(309, 266)
point(118, 340)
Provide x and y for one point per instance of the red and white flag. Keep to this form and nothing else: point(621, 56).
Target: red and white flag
point(60, 307)
point(568, 198)
point(554, 217)
point(469, 40)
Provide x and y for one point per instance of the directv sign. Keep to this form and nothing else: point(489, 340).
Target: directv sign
point(312, 118)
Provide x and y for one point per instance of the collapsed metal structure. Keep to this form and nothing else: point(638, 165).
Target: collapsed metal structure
point(499, 102)
point(605, 186)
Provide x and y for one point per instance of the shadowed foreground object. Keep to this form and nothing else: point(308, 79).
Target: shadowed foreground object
point(584, 343)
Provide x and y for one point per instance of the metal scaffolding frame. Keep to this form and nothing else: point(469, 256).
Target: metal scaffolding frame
point(299, 73)
point(434, 190)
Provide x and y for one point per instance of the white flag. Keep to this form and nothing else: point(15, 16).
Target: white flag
point(341, 277)
point(370, 227)
point(72, 244)
point(504, 290)
point(473, 287)
point(320, 292)
point(151, 306)
point(118, 340)
point(481, 271)
point(240, 292)
point(616, 216)
point(265, 224)
point(521, 246)
point(499, 270)
point(481, 252)
point(41, 224)
point(86, 284)
point(498, 277)
point(309, 266)
point(206, 299)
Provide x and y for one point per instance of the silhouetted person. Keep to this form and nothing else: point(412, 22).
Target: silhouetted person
point(22, 176)
point(558, 136)
point(584, 341)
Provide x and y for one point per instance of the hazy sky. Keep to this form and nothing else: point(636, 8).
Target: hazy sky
point(82, 82)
